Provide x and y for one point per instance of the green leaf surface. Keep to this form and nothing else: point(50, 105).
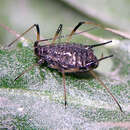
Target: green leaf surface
point(36, 99)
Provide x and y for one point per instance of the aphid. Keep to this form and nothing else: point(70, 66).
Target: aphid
point(67, 57)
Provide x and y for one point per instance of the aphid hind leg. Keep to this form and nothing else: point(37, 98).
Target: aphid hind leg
point(38, 33)
point(78, 25)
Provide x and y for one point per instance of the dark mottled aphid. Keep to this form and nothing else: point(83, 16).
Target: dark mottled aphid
point(67, 57)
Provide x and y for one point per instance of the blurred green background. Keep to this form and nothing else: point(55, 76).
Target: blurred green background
point(35, 101)
point(20, 14)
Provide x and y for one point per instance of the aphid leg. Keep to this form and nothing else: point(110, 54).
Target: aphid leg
point(78, 25)
point(63, 76)
point(25, 71)
point(41, 61)
point(59, 30)
point(94, 75)
point(63, 36)
point(72, 70)
point(60, 35)
point(38, 33)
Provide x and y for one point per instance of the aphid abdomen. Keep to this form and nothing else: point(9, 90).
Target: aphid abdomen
point(66, 56)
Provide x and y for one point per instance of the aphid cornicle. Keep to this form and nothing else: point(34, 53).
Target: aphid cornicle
point(67, 57)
